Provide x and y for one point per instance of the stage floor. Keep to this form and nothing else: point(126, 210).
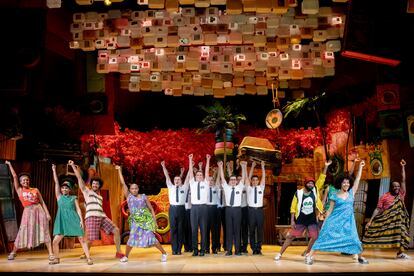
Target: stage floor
point(147, 261)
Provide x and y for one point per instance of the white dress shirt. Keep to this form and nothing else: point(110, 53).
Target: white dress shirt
point(250, 195)
point(214, 199)
point(244, 198)
point(182, 192)
point(203, 192)
point(238, 191)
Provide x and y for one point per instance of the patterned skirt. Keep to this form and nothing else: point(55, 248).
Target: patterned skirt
point(142, 227)
point(389, 229)
point(34, 228)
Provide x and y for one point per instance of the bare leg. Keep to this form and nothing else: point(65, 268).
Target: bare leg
point(311, 242)
point(85, 247)
point(288, 241)
point(160, 248)
point(117, 239)
point(56, 242)
point(128, 250)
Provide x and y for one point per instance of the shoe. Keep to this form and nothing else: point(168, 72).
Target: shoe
point(178, 253)
point(403, 256)
point(51, 257)
point(308, 260)
point(278, 257)
point(228, 253)
point(54, 261)
point(175, 253)
point(164, 258)
point(90, 262)
point(11, 256)
point(83, 256)
point(254, 252)
point(195, 252)
point(119, 255)
point(238, 254)
point(124, 259)
point(215, 251)
point(362, 260)
point(201, 254)
point(259, 252)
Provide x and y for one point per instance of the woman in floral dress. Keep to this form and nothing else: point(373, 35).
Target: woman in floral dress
point(141, 220)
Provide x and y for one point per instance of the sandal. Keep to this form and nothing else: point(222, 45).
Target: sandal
point(51, 257)
point(54, 261)
point(11, 256)
point(89, 261)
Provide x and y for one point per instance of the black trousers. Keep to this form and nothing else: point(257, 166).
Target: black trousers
point(213, 227)
point(176, 214)
point(222, 224)
point(233, 223)
point(187, 230)
point(244, 228)
point(256, 221)
point(199, 220)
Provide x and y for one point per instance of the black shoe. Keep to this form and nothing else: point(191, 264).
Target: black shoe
point(215, 251)
point(228, 253)
point(201, 253)
point(174, 253)
point(259, 252)
point(207, 252)
point(238, 254)
point(195, 252)
point(188, 250)
point(178, 253)
point(254, 252)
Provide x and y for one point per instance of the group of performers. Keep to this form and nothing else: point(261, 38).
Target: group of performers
point(205, 204)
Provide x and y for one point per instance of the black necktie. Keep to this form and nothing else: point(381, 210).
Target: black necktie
point(198, 191)
point(232, 197)
point(176, 194)
point(211, 195)
point(221, 197)
point(255, 194)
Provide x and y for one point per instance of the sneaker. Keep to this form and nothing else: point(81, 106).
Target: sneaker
point(163, 258)
point(403, 256)
point(119, 255)
point(11, 256)
point(278, 257)
point(309, 260)
point(124, 259)
point(362, 260)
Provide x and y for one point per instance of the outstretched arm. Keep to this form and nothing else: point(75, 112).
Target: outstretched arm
point(321, 179)
point(263, 180)
point(55, 178)
point(403, 185)
point(190, 167)
point(207, 172)
point(82, 185)
point(121, 178)
point(182, 172)
point(358, 177)
point(167, 176)
point(243, 165)
point(249, 178)
point(221, 172)
point(15, 179)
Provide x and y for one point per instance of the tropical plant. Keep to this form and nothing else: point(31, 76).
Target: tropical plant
point(221, 120)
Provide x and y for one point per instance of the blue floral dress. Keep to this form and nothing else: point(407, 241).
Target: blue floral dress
point(141, 223)
point(339, 231)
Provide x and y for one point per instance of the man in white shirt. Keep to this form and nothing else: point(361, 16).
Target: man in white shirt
point(176, 194)
point(233, 193)
point(212, 221)
point(255, 193)
point(244, 228)
point(199, 188)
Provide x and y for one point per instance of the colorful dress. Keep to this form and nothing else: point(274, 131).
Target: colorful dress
point(141, 222)
point(34, 226)
point(67, 221)
point(339, 231)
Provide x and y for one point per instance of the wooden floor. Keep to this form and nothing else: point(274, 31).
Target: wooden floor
point(147, 261)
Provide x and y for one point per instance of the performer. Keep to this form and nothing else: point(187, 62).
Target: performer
point(212, 220)
point(68, 221)
point(390, 222)
point(198, 190)
point(95, 218)
point(255, 193)
point(233, 193)
point(339, 232)
point(244, 226)
point(221, 209)
point(142, 221)
point(305, 205)
point(176, 213)
point(34, 225)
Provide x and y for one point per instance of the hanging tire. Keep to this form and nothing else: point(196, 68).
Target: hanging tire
point(165, 230)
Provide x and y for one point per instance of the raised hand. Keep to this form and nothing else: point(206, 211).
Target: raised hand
point(243, 163)
point(71, 163)
point(163, 163)
point(220, 163)
point(362, 164)
point(117, 167)
point(403, 163)
point(263, 164)
point(208, 156)
point(7, 162)
point(328, 162)
point(53, 167)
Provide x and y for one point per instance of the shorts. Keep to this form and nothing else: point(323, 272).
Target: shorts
point(95, 224)
point(313, 231)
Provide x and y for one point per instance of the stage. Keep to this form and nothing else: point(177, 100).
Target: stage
point(147, 261)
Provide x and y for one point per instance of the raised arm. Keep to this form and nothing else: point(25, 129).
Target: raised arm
point(243, 165)
point(263, 180)
point(190, 167)
point(167, 176)
point(249, 178)
point(78, 210)
point(358, 177)
point(55, 178)
point(321, 179)
point(15, 178)
point(182, 172)
point(82, 185)
point(229, 167)
point(221, 172)
point(403, 185)
point(207, 172)
point(121, 178)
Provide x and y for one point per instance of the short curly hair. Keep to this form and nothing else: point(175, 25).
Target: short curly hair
point(341, 178)
point(99, 180)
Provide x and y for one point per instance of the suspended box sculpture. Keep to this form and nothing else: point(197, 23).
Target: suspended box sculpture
point(233, 49)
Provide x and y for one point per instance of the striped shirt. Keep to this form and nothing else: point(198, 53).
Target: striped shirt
point(93, 203)
point(387, 199)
